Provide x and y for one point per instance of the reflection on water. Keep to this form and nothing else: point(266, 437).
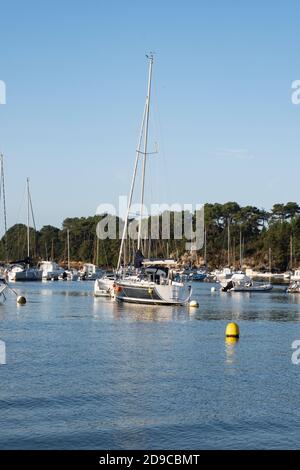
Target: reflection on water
point(294, 298)
point(230, 345)
point(104, 307)
point(66, 293)
point(155, 313)
point(85, 372)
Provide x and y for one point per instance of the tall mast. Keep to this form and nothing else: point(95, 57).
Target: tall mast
point(205, 247)
point(241, 250)
point(228, 242)
point(131, 190)
point(4, 205)
point(149, 246)
point(28, 212)
point(68, 245)
point(138, 152)
point(97, 252)
point(150, 57)
point(291, 252)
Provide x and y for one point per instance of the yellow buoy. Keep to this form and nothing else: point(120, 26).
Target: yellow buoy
point(232, 330)
point(194, 303)
point(231, 340)
point(21, 300)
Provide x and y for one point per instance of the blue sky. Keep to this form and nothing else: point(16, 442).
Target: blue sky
point(76, 76)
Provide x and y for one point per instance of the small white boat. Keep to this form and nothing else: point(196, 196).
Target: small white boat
point(296, 276)
point(294, 288)
point(69, 275)
point(241, 283)
point(50, 270)
point(90, 272)
point(104, 286)
point(221, 275)
point(19, 272)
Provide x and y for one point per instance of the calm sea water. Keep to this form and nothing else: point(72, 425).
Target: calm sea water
point(85, 373)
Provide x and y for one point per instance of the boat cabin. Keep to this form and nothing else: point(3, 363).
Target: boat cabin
point(159, 271)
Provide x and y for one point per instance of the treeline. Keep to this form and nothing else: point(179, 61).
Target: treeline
point(51, 243)
point(260, 236)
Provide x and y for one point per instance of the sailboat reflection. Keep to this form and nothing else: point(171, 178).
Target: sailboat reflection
point(139, 312)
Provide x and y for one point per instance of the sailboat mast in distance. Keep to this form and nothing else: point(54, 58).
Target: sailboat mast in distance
point(28, 209)
point(205, 247)
point(228, 242)
point(241, 250)
point(68, 246)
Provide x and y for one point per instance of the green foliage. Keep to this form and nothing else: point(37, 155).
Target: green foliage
point(258, 230)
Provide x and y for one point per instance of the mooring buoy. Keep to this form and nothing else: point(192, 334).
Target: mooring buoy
point(21, 300)
point(232, 330)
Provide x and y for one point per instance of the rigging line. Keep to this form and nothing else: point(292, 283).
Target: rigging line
point(106, 259)
point(1, 156)
point(137, 158)
point(21, 205)
point(4, 200)
point(31, 210)
point(33, 220)
point(4, 205)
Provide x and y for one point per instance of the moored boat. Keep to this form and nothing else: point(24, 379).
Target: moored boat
point(22, 272)
point(50, 270)
point(104, 286)
point(156, 283)
point(241, 283)
point(294, 287)
point(90, 272)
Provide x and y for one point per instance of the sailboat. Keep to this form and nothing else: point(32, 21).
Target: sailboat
point(22, 270)
point(155, 281)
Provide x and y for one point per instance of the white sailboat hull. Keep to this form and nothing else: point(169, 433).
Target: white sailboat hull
point(241, 283)
point(263, 288)
point(151, 293)
point(30, 274)
point(104, 287)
